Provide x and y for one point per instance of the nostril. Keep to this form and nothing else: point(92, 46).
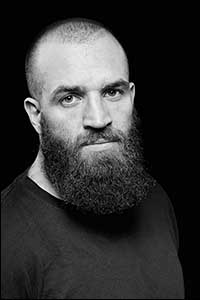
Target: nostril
point(99, 126)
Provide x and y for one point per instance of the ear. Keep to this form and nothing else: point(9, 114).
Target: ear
point(132, 89)
point(32, 107)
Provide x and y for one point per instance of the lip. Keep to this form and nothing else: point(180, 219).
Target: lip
point(102, 141)
point(101, 145)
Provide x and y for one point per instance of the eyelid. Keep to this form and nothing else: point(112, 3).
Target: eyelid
point(73, 94)
point(69, 94)
point(120, 90)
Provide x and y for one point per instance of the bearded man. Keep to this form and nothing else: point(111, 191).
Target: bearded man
point(86, 220)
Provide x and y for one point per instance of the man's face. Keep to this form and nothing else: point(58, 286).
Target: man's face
point(78, 92)
point(88, 135)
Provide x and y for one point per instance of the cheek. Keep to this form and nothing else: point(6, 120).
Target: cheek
point(122, 115)
point(61, 125)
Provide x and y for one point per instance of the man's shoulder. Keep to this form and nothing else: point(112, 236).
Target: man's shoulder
point(160, 194)
point(161, 207)
point(157, 198)
point(12, 210)
point(12, 190)
point(17, 222)
point(20, 230)
point(24, 249)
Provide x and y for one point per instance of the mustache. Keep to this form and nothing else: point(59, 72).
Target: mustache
point(107, 134)
point(90, 136)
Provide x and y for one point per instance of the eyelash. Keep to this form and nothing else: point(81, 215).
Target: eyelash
point(73, 95)
point(120, 91)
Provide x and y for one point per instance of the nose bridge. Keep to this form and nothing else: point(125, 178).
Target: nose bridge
point(96, 113)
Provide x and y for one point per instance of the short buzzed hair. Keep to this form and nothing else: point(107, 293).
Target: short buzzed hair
point(75, 30)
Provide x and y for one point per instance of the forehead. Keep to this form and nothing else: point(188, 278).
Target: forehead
point(89, 64)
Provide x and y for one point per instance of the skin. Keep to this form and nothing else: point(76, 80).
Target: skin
point(91, 67)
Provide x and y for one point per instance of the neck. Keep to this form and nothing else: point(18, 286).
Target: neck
point(37, 175)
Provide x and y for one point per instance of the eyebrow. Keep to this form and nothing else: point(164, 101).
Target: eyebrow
point(82, 90)
point(118, 84)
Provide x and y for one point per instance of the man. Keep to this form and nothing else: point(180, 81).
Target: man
point(86, 220)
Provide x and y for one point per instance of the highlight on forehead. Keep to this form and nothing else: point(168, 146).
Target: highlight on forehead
point(66, 31)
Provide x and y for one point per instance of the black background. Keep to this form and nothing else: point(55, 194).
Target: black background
point(158, 42)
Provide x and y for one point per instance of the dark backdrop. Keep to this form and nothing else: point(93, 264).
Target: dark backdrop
point(158, 45)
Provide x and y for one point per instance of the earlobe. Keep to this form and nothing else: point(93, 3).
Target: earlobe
point(32, 107)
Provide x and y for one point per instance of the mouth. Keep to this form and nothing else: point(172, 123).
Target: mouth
point(100, 141)
point(101, 145)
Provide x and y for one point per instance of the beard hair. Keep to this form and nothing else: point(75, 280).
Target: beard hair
point(103, 183)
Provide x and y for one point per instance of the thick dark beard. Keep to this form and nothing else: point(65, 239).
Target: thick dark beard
point(102, 183)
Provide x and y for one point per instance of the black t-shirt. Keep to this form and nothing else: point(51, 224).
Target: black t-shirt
point(52, 252)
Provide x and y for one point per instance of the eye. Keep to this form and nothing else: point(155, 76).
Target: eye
point(113, 93)
point(69, 100)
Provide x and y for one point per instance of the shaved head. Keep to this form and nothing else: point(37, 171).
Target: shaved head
point(83, 111)
point(70, 31)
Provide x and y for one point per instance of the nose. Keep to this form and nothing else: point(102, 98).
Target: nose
point(96, 113)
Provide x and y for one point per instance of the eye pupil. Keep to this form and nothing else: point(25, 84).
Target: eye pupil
point(68, 98)
point(112, 92)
